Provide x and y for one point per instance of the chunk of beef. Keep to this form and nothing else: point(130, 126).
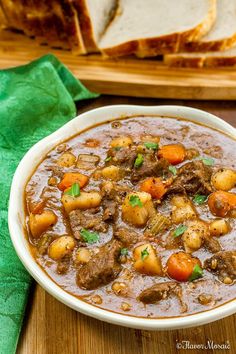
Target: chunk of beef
point(161, 291)
point(151, 167)
point(193, 178)
point(113, 191)
point(57, 171)
point(128, 237)
point(101, 268)
point(87, 219)
point(212, 244)
point(110, 210)
point(124, 157)
point(223, 264)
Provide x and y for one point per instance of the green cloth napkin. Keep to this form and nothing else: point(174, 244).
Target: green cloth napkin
point(35, 100)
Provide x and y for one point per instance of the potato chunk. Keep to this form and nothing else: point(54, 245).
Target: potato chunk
point(121, 141)
point(182, 209)
point(195, 234)
point(147, 260)
point(66, 160)
point(137, 208)
point(83, 255)
point(112, 172)
point(39, 223)
point(85, 200)
point(219, 227)
point(224, 179)
point(60, 247)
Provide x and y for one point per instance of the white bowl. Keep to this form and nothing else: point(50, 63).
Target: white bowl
point(16, 213)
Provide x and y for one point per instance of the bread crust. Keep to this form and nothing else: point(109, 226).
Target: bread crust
point(178, 61)
point(3, 20)
point(86, 26)
point(170, 43)
point(53, 22)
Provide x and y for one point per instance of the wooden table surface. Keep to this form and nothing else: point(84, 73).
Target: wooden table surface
point(52, 328)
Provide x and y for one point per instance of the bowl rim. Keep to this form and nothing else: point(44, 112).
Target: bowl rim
point(16, 219)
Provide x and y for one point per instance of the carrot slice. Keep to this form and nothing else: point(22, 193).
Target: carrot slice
point(70, 178)
point(180, 266)
point(173, 153)
point(221, 202)
point(153, 186)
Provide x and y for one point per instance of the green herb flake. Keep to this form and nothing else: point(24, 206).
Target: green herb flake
point(150, 145)
point(197, 273)
point(199, 199)
point(138, 161)
point(208, 161)
point(173, 170)
point(144, 254)
point(179, 231)
point(108, 158)
point(74, 190)
point(88, 236)
point(124, 251)
point(117, 148)
point(134, 201)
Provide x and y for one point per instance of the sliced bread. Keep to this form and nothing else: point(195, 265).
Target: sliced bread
point(12, 13)
point(3, 20)
point(53, 22)
point(199, 60)
point(152, 27)
point(222, 36)
point(94, 16)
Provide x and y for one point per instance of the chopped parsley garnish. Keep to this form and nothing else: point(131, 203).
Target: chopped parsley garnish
point(134, 201)
point(108, 158)
point(117, 148)
point(144, 254)
point(74, 190)
point(88, 236)
point(179, 231)
point(124, 251)
point(197, 273)
point(138, 161)
point(150, 145)
point(173, 170)
point(208, 161)
point(199, 199)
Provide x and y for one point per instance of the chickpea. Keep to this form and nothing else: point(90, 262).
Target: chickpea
point(83, 255)
point(219, 227)
point(66, 160)
point(205, 299)
point(119, 288)
point(125, 306)
point(224, 179)
point(122, 141)
point(96, 299)
point(227, 280)
point(60, 247)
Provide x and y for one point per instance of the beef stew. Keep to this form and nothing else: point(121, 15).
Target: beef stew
point(137, 216)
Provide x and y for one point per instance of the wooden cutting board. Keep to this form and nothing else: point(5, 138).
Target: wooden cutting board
point(126, 77)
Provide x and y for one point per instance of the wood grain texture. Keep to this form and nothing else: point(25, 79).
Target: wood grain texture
point(126, 76)
point(52, 328)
